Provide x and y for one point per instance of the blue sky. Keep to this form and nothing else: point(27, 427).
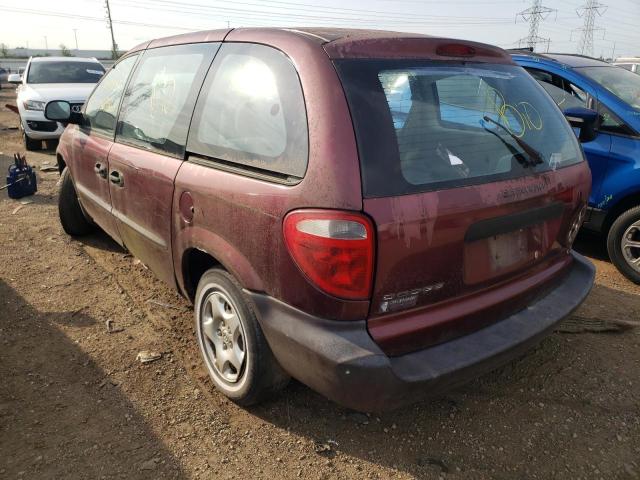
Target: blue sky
point(491, 21)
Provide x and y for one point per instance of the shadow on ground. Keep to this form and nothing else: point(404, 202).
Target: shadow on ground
point(100, 240)
point(95, 432)
point(592, 245)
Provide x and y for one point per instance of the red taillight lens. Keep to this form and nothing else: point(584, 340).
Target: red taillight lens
point(333, 249)
point(456, 50)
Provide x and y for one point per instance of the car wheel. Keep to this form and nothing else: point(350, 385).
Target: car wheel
point(235, 352)
point(31, 144)
point(623, 244)
point(72, 217)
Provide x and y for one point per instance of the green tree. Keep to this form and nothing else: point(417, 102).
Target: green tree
point(3, 50)
point(65, 51)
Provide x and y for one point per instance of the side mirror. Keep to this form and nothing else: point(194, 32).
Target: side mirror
point(586, 120)
point(61, 111)
point(15, 78)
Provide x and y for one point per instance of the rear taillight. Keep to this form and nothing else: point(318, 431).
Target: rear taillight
point(333, 249)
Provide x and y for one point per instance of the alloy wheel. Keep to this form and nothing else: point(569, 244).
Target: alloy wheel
point(630, 244)
point(223, 336)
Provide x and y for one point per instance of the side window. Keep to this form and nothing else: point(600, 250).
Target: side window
point(251, 111)
point(101, 109)
point(157, 108)
point(563, 92)
point(611, 123)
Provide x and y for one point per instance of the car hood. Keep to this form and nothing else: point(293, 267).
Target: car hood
point(73, 92)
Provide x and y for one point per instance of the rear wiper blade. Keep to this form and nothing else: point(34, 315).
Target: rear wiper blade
point(535, 158)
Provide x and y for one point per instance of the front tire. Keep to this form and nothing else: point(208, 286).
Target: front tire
point(73, 220)
point(623, 244)
point(31, 144)
point(235, 352)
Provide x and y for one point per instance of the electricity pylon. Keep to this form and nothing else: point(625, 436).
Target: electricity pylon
point(534, 15)
point(589, 12)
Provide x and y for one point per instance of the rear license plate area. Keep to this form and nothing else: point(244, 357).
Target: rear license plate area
point(501, 254)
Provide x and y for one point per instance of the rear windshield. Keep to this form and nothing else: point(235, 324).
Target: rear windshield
point(65, 72)
point(424, 126)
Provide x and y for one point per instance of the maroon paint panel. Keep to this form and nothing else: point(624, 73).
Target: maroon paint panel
point(87, 159)
point(238, 220)
point(194, 37)
point(383, 45)
point(422, 247)
point(142, 205)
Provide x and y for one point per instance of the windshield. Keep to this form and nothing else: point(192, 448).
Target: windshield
point(64, 72)
point(622, 83)
point(424, 126)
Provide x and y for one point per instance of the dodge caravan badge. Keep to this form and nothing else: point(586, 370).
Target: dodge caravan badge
point(392, 302)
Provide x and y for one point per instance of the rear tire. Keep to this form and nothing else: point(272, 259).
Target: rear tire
point(31, 144)
point(235, 351)
point(623, 244)
point(72, 217)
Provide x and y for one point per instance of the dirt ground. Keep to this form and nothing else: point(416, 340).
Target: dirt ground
point(76, 404)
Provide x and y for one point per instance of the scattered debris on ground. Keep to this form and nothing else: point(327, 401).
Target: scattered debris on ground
point(147, 356)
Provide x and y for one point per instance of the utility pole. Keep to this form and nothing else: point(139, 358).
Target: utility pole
point(534, 15)
point(114, 45)
point(589, 12)
point(75, 34)
point(46, 43)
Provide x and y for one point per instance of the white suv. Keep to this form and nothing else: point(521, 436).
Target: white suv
point(52, 78)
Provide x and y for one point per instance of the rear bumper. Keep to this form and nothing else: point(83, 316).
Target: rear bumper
point(341, 361)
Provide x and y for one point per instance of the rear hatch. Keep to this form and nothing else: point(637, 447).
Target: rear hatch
point(475, 183)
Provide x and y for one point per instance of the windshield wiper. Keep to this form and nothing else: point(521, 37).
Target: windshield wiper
point(535, 158)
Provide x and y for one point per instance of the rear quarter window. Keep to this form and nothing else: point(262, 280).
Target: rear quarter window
point(251, 112)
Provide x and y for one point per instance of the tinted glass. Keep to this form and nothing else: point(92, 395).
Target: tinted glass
point(65, 72)
point(159, 102)
point(251, 111)
point(622, 83)
point(611, 123)
point(424, 126)
point(101, 109)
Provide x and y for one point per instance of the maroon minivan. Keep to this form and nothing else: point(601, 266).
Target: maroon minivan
point(379, 215)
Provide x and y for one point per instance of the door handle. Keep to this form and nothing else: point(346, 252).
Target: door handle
point(116, 178)
point(100, 170)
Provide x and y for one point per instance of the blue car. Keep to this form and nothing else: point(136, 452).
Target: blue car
point(614, 154)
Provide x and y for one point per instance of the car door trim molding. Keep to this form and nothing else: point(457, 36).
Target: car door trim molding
point(122, 217)
point(93, 197)
point(139, 228)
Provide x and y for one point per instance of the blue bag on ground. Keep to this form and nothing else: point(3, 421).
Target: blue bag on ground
point(21, 179)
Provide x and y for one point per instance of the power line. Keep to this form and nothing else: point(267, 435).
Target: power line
point(589, 12)
point(368, 19)
point(534, 15)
